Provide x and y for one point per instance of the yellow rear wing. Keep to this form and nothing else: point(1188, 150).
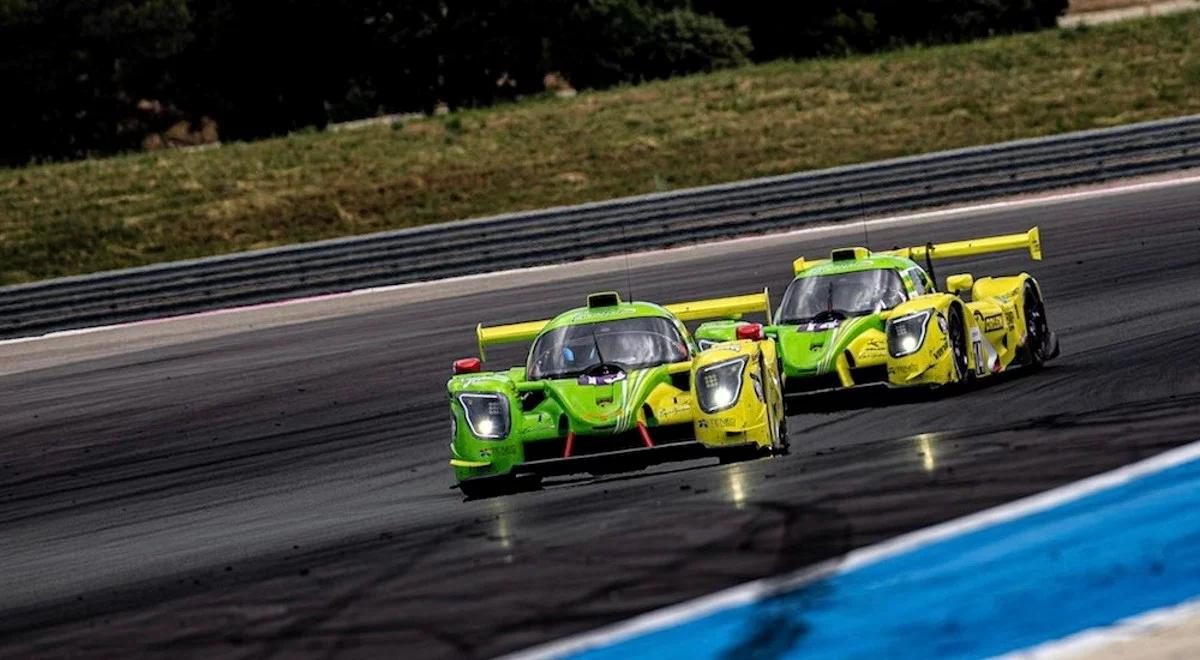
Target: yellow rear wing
point(698, 310)
point(1031, 239)
point(723, 308)
point(507, 334)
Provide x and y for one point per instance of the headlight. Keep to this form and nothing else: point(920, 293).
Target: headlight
point(906, 333)
point(718, 386)
point(487, 414)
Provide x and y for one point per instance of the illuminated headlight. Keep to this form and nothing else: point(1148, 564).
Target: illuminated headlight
point(906, 334)
point(487, 414)
point(718, 386)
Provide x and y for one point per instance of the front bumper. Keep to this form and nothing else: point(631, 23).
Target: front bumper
point(620, 460)
point(633, 459)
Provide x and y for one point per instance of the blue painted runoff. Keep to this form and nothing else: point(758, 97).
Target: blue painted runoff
point(1086, 563)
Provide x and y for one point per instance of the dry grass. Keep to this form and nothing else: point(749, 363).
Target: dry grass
point(783, 117)
point(1081, 6)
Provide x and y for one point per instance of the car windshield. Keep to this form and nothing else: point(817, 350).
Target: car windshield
point(830, 297)
point(635, 343)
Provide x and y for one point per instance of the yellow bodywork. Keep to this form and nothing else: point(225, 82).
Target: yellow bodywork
point(992, 316)
point(993, 326)
point(757, 415)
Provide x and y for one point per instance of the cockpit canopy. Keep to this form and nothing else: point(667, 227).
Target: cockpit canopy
point(841, 295)
point(630, 343)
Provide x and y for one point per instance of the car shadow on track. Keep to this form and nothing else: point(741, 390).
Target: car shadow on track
point(589, 480)
point(883, 397)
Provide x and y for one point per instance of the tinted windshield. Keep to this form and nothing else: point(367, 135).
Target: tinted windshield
point(844, 295)
point(631, 343)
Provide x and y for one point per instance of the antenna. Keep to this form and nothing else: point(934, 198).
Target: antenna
point(628, 276)
point(862, 208)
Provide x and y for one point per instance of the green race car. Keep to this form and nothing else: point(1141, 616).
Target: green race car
point(863, 318)
point(615, 386)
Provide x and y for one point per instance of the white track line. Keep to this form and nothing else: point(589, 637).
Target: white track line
point(1090, 641)
point(814, 230)
point(758, 590)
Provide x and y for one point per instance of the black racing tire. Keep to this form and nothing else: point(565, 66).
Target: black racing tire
point(1037, 330)
point(957, 332)
point(785, 443)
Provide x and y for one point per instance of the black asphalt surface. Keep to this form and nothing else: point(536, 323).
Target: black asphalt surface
point(285, 492)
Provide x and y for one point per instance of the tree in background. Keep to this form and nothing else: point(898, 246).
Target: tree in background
point(73, 72)
point(838, 27)
point(94, 76)
point(605, 42)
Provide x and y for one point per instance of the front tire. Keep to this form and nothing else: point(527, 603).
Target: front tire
point(957, 338)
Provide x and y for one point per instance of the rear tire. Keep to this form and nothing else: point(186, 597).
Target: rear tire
point(1037, 330)
point(958, 346)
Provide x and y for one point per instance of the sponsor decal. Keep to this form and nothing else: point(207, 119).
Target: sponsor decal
point(671, 412)
point(993, 323)
point(939, 352)
point(874, 345)
point(607, 379)
point(818, 327)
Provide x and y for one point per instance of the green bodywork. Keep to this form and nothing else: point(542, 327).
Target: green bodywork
point(809, 351)
point(546, 410)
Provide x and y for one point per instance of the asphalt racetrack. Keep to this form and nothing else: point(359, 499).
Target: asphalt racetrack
point(284, 490)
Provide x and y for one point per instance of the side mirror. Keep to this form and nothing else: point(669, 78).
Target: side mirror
point(468, 366)
point(960, 283)
point(751, 331)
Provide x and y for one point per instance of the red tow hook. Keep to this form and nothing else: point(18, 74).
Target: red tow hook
point(645, 435)
point(570, 444)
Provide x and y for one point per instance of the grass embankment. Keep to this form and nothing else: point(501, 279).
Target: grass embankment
point(1080, 6)
point(108, 213)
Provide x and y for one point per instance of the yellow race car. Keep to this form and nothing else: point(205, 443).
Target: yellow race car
point(862, 318)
